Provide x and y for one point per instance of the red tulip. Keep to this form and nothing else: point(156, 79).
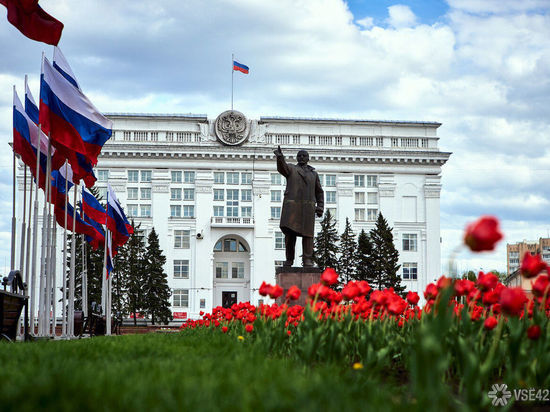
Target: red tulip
point(364, 287)
point(531, 265)
point(413, 298)
point(533, 332)
point(225, 329)
point(443, 282)
point(541, 285)
point(265, 289)
point(313, 290)
point(490, 323)
point(397, 305)
point(351, 290)
point(512, 301)
point(487, 281)
point(463, 287)
point(249, 328)
point(329, 277)
point(430, 292)
point(275, 292)
point(483, 234)
point(293, 293)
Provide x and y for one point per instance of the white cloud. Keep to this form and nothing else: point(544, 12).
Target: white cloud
point(401, 16)
point(366, 22)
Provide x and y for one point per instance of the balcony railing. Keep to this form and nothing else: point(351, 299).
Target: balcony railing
point(232, 221)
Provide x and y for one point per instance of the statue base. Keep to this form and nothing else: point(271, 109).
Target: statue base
point(302, 277)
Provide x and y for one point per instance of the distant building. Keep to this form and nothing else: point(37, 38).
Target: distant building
point(515, 252)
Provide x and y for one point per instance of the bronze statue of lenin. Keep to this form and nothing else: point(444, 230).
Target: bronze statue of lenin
point(304, 198)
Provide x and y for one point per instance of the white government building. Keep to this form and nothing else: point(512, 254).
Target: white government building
point(211, 190)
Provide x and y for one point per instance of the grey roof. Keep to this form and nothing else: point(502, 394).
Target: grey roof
point(329, 119)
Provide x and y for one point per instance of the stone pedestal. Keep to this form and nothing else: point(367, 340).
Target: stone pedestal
point(303, 278)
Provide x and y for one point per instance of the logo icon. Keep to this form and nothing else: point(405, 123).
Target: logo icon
point(232, 128)
point(499, 394)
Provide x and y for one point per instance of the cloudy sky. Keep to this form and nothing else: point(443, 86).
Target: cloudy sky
point(480, 67)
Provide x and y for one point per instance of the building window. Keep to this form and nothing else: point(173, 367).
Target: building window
point(181, 239)
point(176, 176)
point(219, 177)
point(275, 179)
point(188, 177)
point(332, 211)
point(359, 180)
point(409, 142)
point(146, 176)
point(237, 270)
point(132, 193)
point(133, 176)
point(175, 211)
point(102, 175)
point(410, 271)
point(424, 143)
point(246, 195)
point(181, 269)
point(372, 215)
point(359, 214)
point(102, 191)
point(275, 212)
point(394, 142)
point(218, 211)
point(188, 194)
point(353, 141)
point(275, 195)
point(127, 135)
point(325, 140)
point(181, 298)
point(279, 240)
point(145, 193)
point(359, 198)
point(246, 178)
point(372, 181)
point(410, 242)
point(145, 210)
point(169, 136)
point(296, 139)
point(311, 139)
point(321, 176)
point(246, 211)
point(222, 270)
point(188, 211)
point(232, 178)
point(154, 136)
point(379, 141)
point(372, 198)
point(330, 180)
point(338, 141)
point(232, 202)
point(218, 194)
point(175, 194)
point(366, 141)
point(330, 197)
point(132, 210)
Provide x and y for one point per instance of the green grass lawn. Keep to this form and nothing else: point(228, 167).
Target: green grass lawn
point(195, 370)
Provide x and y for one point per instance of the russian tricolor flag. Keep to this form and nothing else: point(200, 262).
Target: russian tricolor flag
point(240, 67)
point(99, 238)
point(117, 222)
point(80, 225)
point(92, 208)
point(30, 106)
point(61, 178)
point(73, 122)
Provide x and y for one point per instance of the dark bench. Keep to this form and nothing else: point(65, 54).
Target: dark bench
point(12, 303)
point(95, 324)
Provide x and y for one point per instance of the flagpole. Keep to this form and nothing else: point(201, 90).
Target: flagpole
point(51, 291)
point(232, 73)
point(23, 223)
point(35, 230)
point(48, 278)
point(28, 247)
point(41, 303)
point(109, 285)
point(73, 260)
point(84, 280)
point(63, 265)
point(103, 286)
point(12, 260)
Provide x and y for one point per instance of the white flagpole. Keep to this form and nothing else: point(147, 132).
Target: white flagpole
point(84, 280)
point(23, 223)
point(48, 273)
point(103, 278)
point(13, 220)
point(51, 292)
point(28, 247)
point(109, 286)
point(64, 265)
point(73, 261)
point(42, 303)
point(35, 233)
point(232, 73)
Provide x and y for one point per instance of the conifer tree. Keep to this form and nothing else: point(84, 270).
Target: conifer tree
point(326, 243)
point(347, 262)
point(155, 289)
point(364, 258)
point(385, 257)
point(131, 267)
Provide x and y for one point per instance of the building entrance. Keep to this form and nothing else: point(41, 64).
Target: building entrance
point(229, 298)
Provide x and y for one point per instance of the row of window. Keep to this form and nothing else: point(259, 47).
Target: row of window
point(338, 140)
point(224, 268)
point(233, 195)
point(233, 178)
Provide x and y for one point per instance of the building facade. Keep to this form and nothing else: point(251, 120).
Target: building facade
point(211, 190)
point(515, 252)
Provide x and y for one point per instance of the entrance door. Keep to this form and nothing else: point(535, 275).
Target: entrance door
point(228, 299)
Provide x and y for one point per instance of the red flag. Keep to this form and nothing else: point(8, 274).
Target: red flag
point(31, 20)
